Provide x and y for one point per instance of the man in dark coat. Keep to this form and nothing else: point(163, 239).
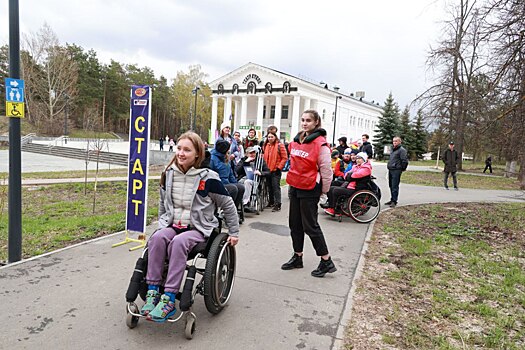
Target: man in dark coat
point(397, 163)
point(366, 146)
point(450, 158)
point(488, 164)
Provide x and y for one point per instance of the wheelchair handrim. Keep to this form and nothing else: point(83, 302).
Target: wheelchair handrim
point(223, 273)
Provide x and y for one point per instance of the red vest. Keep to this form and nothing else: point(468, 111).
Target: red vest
point(303, 163)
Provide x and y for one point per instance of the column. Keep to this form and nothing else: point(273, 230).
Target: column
point(244, 110)
point(235, 121)
point(213, 126)
point(260, 109)
point(306, 103)
point(278, 109)
point(295, 116)
point(227, 109)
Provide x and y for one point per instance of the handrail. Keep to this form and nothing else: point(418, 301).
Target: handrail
point(62, 139)
point(27, 139)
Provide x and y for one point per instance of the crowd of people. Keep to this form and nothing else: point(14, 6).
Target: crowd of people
point(197, 181)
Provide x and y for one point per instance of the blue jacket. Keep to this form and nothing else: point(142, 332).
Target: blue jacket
point(224, 170)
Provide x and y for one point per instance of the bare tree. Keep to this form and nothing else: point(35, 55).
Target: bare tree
point(457, 61)
point(51, 75)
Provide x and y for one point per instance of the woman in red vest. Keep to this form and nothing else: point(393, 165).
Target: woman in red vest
point(309, 176)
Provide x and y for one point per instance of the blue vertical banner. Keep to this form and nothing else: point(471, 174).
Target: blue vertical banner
point(138, 161)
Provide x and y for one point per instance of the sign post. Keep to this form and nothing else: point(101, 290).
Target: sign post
point(138, 164)
point(15, 151)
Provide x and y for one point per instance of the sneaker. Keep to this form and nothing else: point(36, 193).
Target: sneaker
point(152, 299)
point(325, 266)
point(446, 188)
point(296, 262)
point(276, 207)
point(389, 202)
point(393, 204)
point(456, 189)
point(164, 309)
point(325, 205)
point(270, 205)
point(249, 210)
point(330, 211)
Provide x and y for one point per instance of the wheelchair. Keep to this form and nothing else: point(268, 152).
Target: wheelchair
point(261, 197)
point(217, 276)
point(363, 206)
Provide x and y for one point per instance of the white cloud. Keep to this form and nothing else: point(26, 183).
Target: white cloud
point(377, 46)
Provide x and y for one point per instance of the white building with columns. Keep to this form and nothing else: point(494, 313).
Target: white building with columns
point(257, 96)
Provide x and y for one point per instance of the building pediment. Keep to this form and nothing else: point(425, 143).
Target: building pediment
point(253, 79)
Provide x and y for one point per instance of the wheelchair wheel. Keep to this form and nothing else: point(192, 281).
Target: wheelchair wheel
point(132, 321)
point(362, 206)
point(219, 274)
point(189, 329)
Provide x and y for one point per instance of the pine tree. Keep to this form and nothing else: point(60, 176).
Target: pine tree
point(419, 135)
point(387, 127)
point(406, 133)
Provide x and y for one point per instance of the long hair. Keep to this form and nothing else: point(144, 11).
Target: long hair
point(317, 118)
point(199, 151)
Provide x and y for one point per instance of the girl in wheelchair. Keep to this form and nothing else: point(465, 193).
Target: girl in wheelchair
point(355, 180)
point(189, 196)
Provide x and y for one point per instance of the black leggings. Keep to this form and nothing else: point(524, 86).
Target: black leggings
point(337, 192)
point(236, 191)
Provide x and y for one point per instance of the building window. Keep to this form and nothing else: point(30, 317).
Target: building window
point(264, 112)
point(284, 112)
point(272, 112)
point(324, 113)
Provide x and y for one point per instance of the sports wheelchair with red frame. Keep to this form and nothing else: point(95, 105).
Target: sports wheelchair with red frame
point(362, 206)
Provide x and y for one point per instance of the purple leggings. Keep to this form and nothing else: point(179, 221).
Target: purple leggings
point(176, 246)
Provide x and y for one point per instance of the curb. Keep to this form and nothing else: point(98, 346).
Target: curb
point(349, 302)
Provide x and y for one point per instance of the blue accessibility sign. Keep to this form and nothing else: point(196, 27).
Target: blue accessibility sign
point(14, 90)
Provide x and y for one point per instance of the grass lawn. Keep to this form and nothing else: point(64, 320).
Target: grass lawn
point(444, 276)
point(56, 216)
point(429, 178)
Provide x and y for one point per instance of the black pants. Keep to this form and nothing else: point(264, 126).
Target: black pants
point(236, 191)
point(274, 187)
point(488, 166)
point(337, 192)
point(394, 177)
point(303, 220)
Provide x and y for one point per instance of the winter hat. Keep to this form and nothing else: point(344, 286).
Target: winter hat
point(335, 153)
point(362, 155)
point(342, 139)
point(222, 146)
point(348, 151)
point(225, 124)
point(250, 149)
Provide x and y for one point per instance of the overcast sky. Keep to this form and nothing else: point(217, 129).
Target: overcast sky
point(378, 46)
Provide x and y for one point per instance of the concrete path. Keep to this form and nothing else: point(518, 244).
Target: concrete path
point(74, 298)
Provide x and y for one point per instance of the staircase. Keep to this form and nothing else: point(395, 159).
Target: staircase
point(76, 153)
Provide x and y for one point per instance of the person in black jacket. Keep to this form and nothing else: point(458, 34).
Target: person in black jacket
point(342, 146)
point(488, 164)
point(450, 158)
point(366, 146)
point(397, 163)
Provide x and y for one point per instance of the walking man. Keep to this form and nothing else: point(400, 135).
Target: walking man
point(450, 158)
point(488, 164)
point(397, 163)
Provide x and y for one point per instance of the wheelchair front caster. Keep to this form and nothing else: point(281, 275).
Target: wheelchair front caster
point(190, 326)
point(132, 321)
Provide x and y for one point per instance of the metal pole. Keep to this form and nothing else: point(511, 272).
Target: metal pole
point(15, 157)
point(335, 119)
point(194, 119)
point(65, 118)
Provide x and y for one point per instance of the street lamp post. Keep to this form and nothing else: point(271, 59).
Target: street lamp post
point(194, 117)
point(66, 96)
point(335, 119)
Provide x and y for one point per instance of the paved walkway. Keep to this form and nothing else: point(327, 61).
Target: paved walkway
point(74, 298)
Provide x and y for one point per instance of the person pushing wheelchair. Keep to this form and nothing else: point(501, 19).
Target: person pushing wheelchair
point(189, 196)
